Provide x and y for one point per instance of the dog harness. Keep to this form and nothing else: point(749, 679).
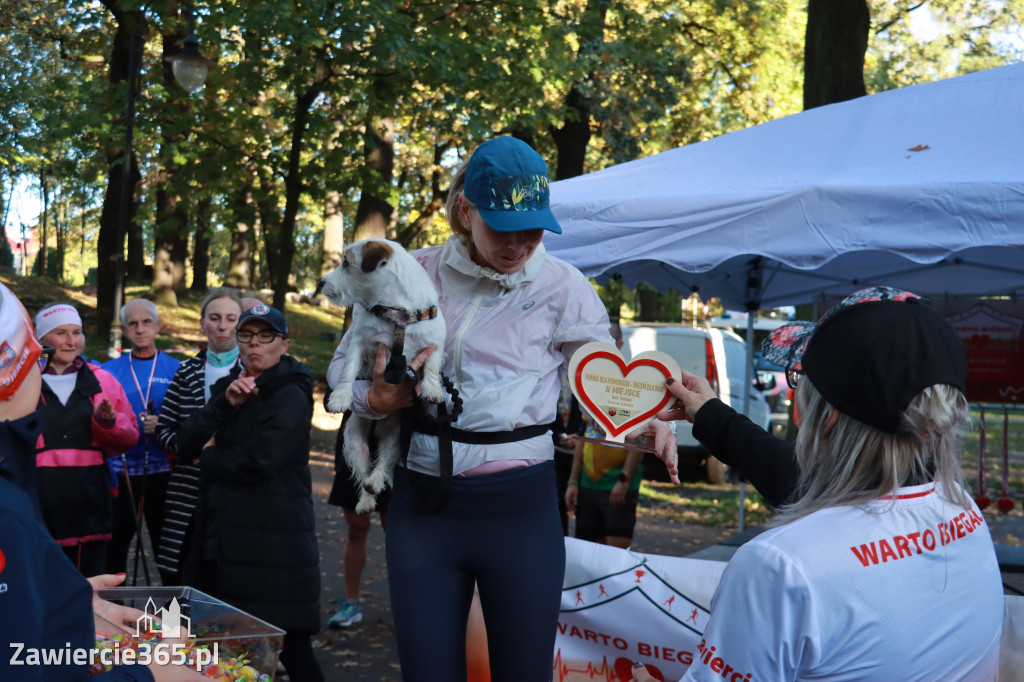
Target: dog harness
point(402, 318)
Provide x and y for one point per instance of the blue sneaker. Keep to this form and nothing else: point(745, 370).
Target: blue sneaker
point(348, 615)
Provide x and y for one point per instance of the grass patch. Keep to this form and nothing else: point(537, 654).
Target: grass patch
point(718, 505)
point(701, 503)
point(312, 329)
point(994, 443)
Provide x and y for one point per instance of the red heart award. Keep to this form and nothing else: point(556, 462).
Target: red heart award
point(621, 397)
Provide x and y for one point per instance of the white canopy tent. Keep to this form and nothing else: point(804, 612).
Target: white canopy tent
point(920, 188)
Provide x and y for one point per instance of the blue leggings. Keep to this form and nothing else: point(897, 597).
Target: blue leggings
point(501, 532)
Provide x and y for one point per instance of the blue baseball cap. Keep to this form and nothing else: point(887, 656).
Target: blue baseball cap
point(508, 182)
point(264, 313)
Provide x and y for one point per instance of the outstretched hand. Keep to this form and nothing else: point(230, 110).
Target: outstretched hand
point(105, 612)
point(664, 445)
point(692, 392)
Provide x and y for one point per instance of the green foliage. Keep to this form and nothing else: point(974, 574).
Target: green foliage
point(915, 42)
point(654, 74)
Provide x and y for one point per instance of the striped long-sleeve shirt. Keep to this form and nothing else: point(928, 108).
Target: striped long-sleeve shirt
point(184, 396)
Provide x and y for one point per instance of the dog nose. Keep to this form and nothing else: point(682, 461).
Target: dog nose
point(319, 287)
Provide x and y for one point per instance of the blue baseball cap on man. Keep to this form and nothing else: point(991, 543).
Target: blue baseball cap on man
point(263, 312)
point(508, 182)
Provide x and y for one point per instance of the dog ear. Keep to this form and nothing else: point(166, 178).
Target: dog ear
point(375, 254)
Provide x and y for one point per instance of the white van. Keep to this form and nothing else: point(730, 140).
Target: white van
point(717, 354)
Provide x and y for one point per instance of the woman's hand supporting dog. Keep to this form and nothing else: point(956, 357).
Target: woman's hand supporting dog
point(385, 397)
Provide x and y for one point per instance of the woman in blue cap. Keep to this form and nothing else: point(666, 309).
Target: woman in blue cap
point(514, 318)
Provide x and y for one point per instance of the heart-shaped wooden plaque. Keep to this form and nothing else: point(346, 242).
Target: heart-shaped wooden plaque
point(621, 396)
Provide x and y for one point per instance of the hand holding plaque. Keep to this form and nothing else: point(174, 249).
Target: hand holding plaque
point(621, 397)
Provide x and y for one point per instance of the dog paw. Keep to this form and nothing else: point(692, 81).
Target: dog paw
point(432, 390)
point(367, 503)
point(374, 484)
point(339, 401)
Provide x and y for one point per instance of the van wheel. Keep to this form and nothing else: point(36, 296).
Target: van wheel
point(715, 470)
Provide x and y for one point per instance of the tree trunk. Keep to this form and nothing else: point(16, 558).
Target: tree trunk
point(293, 191)
point(373, 215)
point(239, 273)
point(108, 246)
point(201, 250)
point(267, 231)
point(170, 248)
point(172, 226)
point(60, 230)
point(334, 233)
point(41, 256)
point(648, 297)
point(135, 264)
point(573, 137)
point(836, 40)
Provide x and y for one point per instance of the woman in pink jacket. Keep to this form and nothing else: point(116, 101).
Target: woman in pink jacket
point(86, 418)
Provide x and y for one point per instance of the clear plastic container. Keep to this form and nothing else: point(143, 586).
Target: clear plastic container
point(184, 626)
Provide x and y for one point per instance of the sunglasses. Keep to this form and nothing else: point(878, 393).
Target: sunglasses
point(793, 377)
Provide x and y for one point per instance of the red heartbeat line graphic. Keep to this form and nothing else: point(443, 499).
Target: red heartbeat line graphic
point(605, 671)
point(620, 671)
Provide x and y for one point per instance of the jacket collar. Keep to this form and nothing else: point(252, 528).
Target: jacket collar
point(456, 256)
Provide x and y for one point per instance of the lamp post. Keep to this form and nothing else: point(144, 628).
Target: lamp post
point(114, 349)
point(190, 66)
point(190, 69)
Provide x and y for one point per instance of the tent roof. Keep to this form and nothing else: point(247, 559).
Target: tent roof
point(920, 187)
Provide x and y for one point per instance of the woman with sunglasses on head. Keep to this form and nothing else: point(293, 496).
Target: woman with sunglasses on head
point(879, 566)
point(86, 418)
point(514, 318)
point(255, 542)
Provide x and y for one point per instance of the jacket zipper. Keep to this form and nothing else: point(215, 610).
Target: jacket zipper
point(463, 328)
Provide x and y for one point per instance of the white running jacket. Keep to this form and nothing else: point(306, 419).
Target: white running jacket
point(509, 340)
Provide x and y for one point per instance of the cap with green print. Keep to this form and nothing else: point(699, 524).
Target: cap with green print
point(508, 182)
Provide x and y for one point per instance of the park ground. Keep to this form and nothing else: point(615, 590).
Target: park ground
point(672, 521)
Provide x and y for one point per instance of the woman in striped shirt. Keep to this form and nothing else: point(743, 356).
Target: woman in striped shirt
point(188, 392)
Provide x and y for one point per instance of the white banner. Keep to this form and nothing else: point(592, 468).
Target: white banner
point(619, 607)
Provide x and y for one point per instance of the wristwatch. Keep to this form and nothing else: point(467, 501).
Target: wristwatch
point(624, 477)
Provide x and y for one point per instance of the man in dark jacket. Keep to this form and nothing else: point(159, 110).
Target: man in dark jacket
point(256, 543)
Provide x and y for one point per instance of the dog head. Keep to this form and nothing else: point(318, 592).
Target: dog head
point(369, 270)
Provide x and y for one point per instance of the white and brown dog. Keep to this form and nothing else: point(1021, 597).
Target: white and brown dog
point(399, 310)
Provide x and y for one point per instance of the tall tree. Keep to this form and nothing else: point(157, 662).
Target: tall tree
point(837, 39)
point(131, 27)
point(373, 214)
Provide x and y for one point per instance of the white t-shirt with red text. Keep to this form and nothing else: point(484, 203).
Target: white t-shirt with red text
point(891, 590)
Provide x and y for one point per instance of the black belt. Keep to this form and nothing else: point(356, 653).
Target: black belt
point(490, 437)
point(446, 435)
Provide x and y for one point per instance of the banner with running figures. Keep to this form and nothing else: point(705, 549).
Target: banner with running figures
point(619, 607)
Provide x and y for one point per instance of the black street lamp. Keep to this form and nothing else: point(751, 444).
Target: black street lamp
point(114, 349)
point(190, 69)
point(190, 66)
